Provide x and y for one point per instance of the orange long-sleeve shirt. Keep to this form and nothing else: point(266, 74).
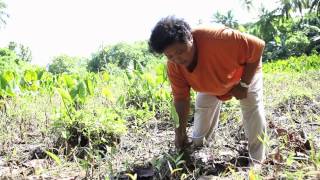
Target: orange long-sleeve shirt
point(222, 54)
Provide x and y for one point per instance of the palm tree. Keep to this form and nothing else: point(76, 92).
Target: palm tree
point(264, 27)
point(227, 20)
point(288, 7)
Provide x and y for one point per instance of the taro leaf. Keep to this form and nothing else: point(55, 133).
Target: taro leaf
point(82, 92)
point(8, 76)
point(105, 76)
point(69, 81)
point(65, 95)
point(161, 73)
point(30, 76)
point(89, 86)
point(73, 93)
point(106, 92)
point(174, 115)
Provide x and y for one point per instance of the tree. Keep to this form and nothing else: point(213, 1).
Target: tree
point(314, 5)
point(289, 7)
point(8, 59)
point(124, 55)
point(3, 14)
point(227, 20)
point(67, 64)
point(23, 52)
point(264, 27)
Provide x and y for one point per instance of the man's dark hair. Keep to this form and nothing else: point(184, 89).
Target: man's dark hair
point(168, 31)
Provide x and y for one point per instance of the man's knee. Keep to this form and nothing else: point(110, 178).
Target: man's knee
point(206, 101)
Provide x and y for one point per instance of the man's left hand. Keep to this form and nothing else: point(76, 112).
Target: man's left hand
point(239, 92)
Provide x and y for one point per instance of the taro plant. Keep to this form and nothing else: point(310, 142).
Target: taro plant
point(29, 81)
point(7, 84)
point(148, 92)
point(81, 126)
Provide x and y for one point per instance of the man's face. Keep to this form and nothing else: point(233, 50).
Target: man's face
point(180, 53)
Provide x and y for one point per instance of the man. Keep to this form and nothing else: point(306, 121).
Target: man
point(218, 63)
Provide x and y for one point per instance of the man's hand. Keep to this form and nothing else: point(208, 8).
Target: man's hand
point(239, 92)
point(181, 140)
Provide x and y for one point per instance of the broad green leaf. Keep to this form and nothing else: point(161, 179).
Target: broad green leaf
point(46, 77)
point(82, 91)
point(40, 73)
point(9, 92)
point(30, 76)
point(174, 115)
point(70, 81)
point(8, 76)
point(121, 100)
point(74, 93)
point(65, 95)
point(161, 73)
point(34, 86)
point(149, 78)
point(105, 76)
point(89, 86)
point(106, 92)
point(3, 82)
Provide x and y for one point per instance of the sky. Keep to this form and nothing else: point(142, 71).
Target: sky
point(79, 27)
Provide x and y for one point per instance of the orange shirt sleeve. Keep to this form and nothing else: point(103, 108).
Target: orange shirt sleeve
point(179, 85)
point(252, 47)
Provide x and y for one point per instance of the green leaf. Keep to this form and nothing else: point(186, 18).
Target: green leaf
point(89, 86)
point(174, 115)
point(71, 82)
point(132, 177)
point(106, 92)
point(65, 95)
point(30, 76)
point(3, 82)
point(54, 157)
point(8, 76)
point(74, 93)
point(82, 91)
point(106, 76)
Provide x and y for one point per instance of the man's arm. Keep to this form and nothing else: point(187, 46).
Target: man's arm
point(181, 139)
point(249, 71)
point(254, 48)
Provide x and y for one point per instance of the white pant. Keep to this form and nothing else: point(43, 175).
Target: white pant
point(207, 110)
